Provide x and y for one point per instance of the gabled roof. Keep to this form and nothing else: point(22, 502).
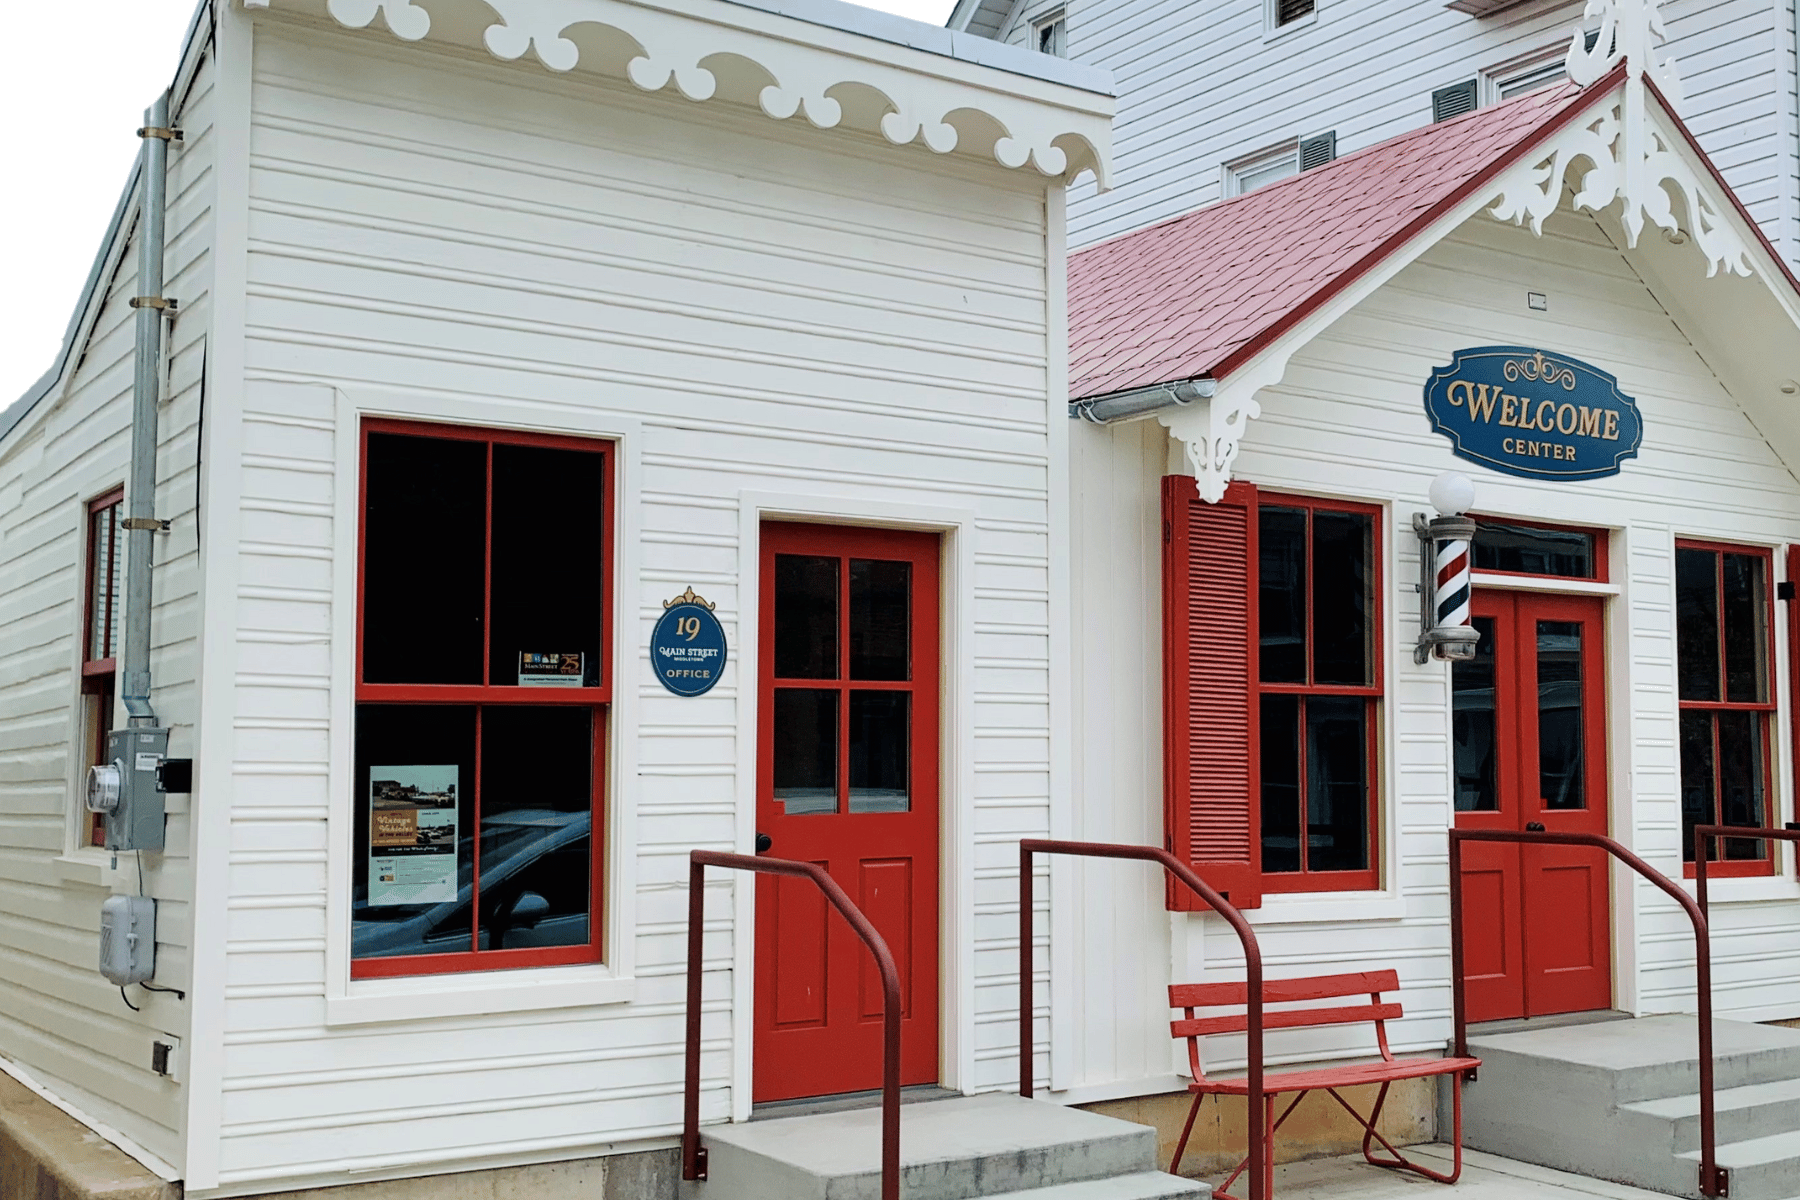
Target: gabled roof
point(1198, 296)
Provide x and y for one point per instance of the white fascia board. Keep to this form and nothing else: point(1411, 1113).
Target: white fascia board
point(1053, 115)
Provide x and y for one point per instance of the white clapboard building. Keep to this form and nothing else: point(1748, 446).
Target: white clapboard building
point(486, 332)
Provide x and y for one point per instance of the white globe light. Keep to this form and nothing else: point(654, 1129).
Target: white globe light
point(1452, 494)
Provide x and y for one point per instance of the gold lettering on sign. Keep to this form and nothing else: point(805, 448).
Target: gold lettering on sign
point(1509, 410)
point(1450, 392)
point(1481, 403)
point(1550, 425)
point(1590, 422)
point(1567, 410)
point(1612, 426)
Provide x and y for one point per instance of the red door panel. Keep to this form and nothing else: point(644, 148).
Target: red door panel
point(1530, 749)
point(847, 777)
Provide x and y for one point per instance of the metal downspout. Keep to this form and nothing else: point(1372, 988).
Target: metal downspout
point(141, 523)
point(1119, 406)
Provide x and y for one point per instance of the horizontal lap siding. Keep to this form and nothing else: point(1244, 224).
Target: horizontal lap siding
point(1201, 86)
point(1346, 421)
point(58, 1018)
point(786, 311)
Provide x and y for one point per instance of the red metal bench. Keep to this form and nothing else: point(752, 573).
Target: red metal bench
point(1190, 996)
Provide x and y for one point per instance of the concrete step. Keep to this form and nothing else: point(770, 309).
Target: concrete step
point(1740, 1114)
point(1764, 1168)
point(971, 1146)
point(1651, 1058)
point(1145, 1185)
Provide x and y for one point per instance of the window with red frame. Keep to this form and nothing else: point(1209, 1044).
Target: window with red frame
point(483, 685)
point(1272, 692)
point(1723, 630)
point(100, 635)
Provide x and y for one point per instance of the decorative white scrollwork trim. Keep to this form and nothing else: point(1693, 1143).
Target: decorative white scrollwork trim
point(678, 41)
point(1630, 30)
point(1210, 429)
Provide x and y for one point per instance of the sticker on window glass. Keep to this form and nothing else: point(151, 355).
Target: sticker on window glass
point(412, 835)
point(550, 670)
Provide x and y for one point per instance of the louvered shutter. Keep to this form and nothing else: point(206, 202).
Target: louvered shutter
point(1317, 151)
point(1455, 100)
point(1210, 774)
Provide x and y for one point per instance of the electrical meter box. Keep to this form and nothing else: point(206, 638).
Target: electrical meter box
point(124, 789)
point(127, 939)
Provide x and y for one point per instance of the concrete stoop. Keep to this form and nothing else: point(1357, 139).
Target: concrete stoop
point(959, 1149)
point(1620, 1100)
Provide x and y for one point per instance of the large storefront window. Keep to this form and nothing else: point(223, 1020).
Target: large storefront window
point(482, 695)
point(1723, 650)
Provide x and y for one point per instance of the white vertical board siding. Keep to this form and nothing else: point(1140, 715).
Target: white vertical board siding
point(63, 1023)
point(1347, 421)
point(1204, 85)
point(785, 312)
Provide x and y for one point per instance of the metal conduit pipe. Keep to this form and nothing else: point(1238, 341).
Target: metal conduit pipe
point(140, 502)
point(1103, 410)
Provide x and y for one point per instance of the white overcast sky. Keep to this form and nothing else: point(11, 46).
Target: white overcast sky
point(71, 142)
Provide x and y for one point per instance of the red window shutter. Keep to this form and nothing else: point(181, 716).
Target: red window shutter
point(1212, 813)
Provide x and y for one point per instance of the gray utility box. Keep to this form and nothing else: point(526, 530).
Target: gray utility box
point(136, 821)
point(127, 939)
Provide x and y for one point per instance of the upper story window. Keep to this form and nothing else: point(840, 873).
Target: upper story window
point(1290, 158)
point(103, 611)
point(482, 694)
point(1723, 647)
point(1517, 80)
point(1282, 13)
point(1272, 690)
point(1051, 34)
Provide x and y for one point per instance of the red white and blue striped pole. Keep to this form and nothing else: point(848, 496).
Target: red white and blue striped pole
point(1444, 565)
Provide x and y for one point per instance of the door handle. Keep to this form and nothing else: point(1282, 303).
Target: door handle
point(1534, 827)
point(763, 842)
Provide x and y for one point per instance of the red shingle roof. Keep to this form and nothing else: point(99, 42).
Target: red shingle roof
point(1199, 295)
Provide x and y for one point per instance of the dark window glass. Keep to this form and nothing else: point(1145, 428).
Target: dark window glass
point(806, 747)
point(880, 619)
point(1337, 783)
point(1341, 597)
point(1697, 623)
point(1473, 725)
point(806, 617)
point(415, 774)
point(537, 773)
point(1280, 782)
point(1741, 759)
point(1745, 635)
point(548, 550)
point(1697, 777)
point(879, 747)
point(1528, 550)
point(1281, 602)
point(1560, 723)
point(424, 554)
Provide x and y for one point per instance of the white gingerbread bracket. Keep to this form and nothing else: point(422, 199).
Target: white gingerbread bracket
point(1210, 428)
point(1059, 131)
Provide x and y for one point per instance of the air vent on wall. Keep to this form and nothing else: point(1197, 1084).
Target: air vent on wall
point(1292, 10)
point(1453, 101)
point(1317, 151)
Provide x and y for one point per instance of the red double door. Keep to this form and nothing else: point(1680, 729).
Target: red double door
point(1529, 747)
point(847, 777)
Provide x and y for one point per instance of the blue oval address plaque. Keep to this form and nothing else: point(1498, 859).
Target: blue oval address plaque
point(687, 647)
point(1526, 412)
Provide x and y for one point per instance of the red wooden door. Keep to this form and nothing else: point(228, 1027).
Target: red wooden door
point(1529, 721)
point(847, 777)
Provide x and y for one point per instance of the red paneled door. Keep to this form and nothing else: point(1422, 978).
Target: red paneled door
point(847, 777)
point(1530, 750)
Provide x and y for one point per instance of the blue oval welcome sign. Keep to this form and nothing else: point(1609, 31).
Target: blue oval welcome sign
point(687, 647)
point(1526, 412)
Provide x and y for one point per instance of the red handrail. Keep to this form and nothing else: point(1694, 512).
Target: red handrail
point(1253, 971)
point(693, 1154)
point(1713, 1178)
point(1703, 837)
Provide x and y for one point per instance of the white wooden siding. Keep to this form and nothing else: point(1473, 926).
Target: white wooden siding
point(1201, 86)
point(59, 1019)
point(1346, 421)
point(783, 311)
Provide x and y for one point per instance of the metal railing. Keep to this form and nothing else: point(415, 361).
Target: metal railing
point(1253, 971)
point(1705, 835)
point(1713, 1179)
point(693, 1154)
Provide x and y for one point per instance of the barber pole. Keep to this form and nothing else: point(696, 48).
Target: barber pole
point(1444, 564)
point(1452, 600)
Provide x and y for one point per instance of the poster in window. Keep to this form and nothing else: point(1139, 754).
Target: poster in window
point(412, 834)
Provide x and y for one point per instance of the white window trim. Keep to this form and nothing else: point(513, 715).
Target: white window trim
point(1271, 30)
point(1231, 177)
point(416, 997)
point(1493, 78)
point(1059, 16)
